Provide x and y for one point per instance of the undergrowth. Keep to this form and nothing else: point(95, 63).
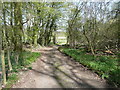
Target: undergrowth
point(106, 66)
point(28, 58)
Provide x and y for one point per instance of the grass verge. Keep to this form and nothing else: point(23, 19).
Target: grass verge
point(105, 66)
point(28, 57)
point(11, 80)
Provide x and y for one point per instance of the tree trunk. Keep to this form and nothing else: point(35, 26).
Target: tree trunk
point(89, 43)
point(18, 45)
point(92, 49)
point(9, 62)
point(54, 38)
point(3, 67)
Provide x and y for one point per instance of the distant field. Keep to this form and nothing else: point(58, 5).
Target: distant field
point(61, 38)
point(61, 41)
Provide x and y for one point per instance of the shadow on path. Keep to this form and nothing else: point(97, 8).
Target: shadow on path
point(55, 70)
point(66, 72)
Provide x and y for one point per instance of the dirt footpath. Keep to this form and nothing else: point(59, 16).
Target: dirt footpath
point(55, 70)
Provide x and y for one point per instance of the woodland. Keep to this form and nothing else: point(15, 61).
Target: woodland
point(92, 31)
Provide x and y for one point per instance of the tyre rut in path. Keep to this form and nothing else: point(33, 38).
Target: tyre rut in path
point(55, 70)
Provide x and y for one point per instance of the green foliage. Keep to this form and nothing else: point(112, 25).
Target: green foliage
point(30, 68)
point(11, 80)
point(106, 66)
point(28, 57)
